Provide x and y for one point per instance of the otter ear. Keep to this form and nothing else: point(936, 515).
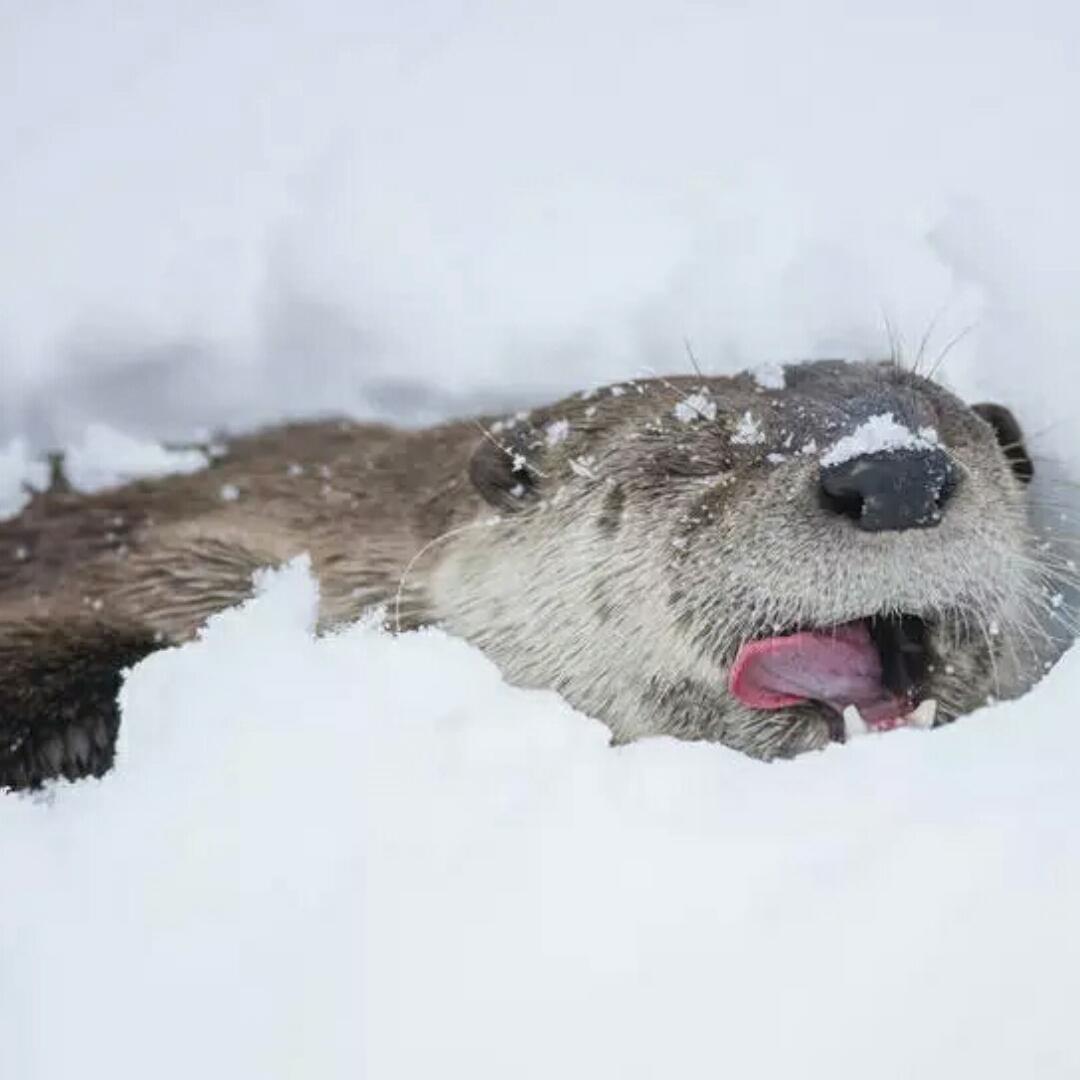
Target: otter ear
point(1010, 438)
point(503, 469)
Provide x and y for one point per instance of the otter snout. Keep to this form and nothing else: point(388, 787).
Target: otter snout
point(891, 489)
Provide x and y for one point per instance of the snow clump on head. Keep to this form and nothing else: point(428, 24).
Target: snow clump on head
point(557, 431)
point(880, 434)
point(697, 406)
point(748, 431)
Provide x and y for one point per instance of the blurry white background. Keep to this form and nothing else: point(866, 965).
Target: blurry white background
point(217, 214)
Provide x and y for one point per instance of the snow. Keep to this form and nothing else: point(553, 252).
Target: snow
point(695, 407)
point(21, 473)
point(361, 855)
point(556, 432)
point(106, 458)
point(879, 434)
point(583, 467)
point(769, 376)
point(318, 856)
point(748, 431)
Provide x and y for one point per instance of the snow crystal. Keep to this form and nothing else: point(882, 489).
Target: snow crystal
point(769, 376)
point(696, 406)
point(229, 493)
point(748, 431)
point(20, 475)
point(583, 467)
point(106, 458)
point(880, 433)
point(556, 432)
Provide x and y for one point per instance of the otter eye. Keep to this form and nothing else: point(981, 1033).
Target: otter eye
point(1010, 438)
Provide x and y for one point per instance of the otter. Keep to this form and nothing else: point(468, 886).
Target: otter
point(771, 561)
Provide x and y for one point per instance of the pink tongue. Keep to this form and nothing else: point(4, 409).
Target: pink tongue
point(838, 667)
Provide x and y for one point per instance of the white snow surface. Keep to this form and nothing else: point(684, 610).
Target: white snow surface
point(367, 855)
point(21, 473)
point(106, 458)
point(879, 434)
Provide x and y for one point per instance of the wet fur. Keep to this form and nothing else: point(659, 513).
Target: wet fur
point(621, 565)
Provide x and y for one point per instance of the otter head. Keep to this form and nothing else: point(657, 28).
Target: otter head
point(772, 563)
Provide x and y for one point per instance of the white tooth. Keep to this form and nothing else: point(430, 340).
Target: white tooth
point(854, 724)
point(924, 715)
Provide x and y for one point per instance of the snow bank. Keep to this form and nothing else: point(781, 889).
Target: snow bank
point(21, 473)
point(105, 458)
point(320, 857)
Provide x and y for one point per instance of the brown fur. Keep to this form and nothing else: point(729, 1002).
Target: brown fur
point(90, 584)
point(360, 498)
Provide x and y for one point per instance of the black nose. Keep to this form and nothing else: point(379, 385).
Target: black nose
point(891, 489)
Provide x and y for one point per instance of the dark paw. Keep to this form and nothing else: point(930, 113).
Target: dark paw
point(58, 711)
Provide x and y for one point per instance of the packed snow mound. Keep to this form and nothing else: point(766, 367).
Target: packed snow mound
point(367, 855)
point(106, 458)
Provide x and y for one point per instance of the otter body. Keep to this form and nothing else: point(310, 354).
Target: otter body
point(667, 554)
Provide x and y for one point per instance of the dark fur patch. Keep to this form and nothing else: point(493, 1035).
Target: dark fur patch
point(58, 709)
point(504, 468)
point(609, 520)
point(693, 707)
point(1010, 438)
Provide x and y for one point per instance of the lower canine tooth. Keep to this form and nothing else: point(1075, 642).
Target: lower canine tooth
point(924, 715)
point(854, 724)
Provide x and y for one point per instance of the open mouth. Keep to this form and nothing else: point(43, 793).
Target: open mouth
point(869, 675)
